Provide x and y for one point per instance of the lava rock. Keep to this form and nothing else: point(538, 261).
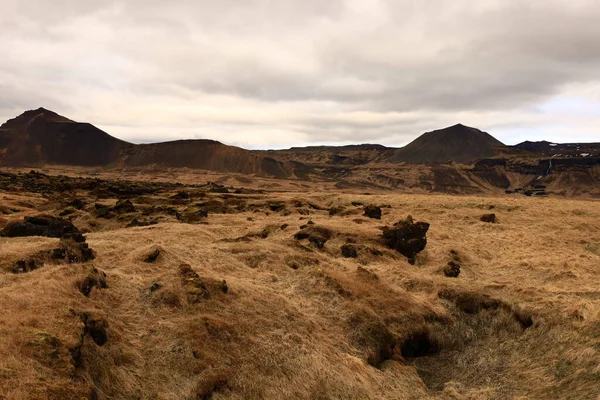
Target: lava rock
point(491, 218)
point(319, 242)
point(26, 265)
point(66, 211)
point(76, 237)
point(152, 257)
point(124, 206)
point(372, 212)
point(349, 251)
point(224, 287)
point(183, 195)
point(95, 279)
point(96, 328)
point(155, 286)
point(407, 237)
point(103, 211)
point(40, 225)
point(276, 206)
point(76, 203)
point(452, 269)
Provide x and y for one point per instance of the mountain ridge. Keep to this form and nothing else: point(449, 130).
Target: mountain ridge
point(457, 159)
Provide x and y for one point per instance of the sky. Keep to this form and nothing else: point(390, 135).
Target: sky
point(279, 73)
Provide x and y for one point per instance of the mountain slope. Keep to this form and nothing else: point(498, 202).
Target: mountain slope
point(44, 137)
point(458, 143)
point(204, 154)
point(40, 137)
point(349, 155)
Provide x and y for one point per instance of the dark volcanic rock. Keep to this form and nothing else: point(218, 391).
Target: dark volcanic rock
point(452, 269)
point(349, 251)
point(488, 218)
point(103, 211)
point(95, 327)
point(26, 265)
point(155, 286)
point(72, 252)
point(217, 188)
point(276, 206)
point(68, 252)
point(152, 257)
point(302, 234)
point(317, 235)
point(319, 242)
point(373, 212)
point(76, 203)
point(182, 195)
point(191, 215)
point(406, 237)
point(76, 237)
point(66, 211)
point(40, 225)
point(124, 206)
point(95, 279)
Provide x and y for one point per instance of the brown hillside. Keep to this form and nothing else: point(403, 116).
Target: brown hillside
point(458, 143)
point(350, 155)
point(43, 137)
point(204, 154)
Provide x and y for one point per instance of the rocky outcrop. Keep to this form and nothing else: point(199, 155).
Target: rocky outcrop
point(407, 237)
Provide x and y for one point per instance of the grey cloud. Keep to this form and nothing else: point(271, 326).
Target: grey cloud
point(308, 63)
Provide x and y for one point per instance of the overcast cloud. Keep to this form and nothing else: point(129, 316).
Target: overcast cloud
point(277, 73)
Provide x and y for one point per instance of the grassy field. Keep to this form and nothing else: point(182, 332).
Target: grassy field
point(293, 321)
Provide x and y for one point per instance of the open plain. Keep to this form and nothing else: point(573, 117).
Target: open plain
point(234, 292)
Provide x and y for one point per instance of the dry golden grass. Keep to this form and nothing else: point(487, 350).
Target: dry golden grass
point(303, 323)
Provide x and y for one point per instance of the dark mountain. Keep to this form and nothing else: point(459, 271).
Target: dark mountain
point(40, 136)
point(458, 143)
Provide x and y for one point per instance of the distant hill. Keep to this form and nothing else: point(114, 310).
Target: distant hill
point(458, 143)
point(349, 155)
point(560, 149)
point(204, 154)
point(41, 136)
